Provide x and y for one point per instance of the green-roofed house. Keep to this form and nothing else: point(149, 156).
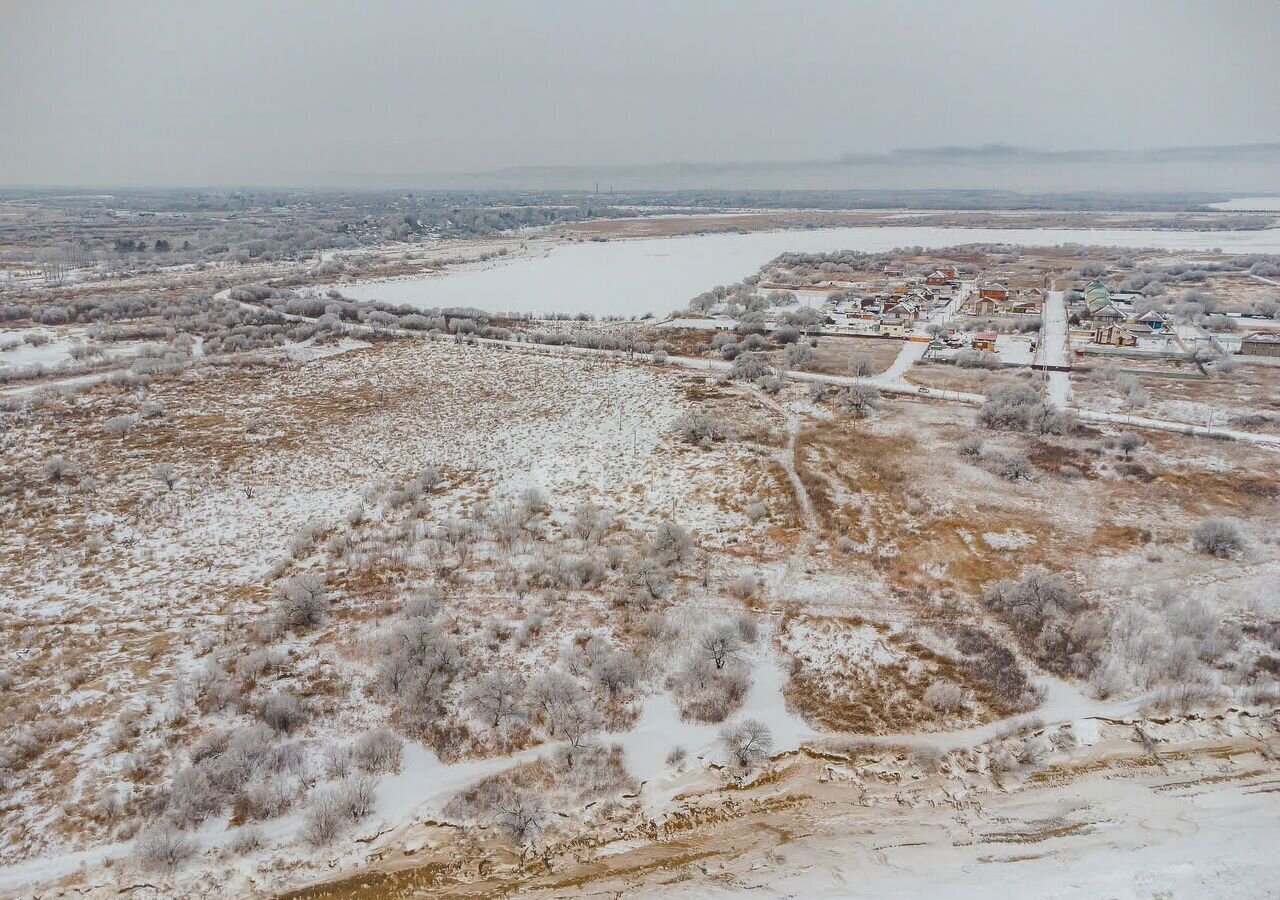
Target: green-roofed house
point(1098, 303)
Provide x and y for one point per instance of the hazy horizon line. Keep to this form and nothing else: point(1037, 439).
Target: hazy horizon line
point(976, 155)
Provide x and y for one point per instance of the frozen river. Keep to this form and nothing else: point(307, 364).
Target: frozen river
point(658, 275)
point(1249, 204)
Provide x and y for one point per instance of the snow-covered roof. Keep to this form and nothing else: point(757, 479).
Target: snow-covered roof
point(1262, 337)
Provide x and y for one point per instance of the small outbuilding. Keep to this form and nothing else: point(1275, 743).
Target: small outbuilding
point(1153, 320)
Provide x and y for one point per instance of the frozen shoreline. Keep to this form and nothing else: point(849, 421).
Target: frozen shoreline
point(634, 276)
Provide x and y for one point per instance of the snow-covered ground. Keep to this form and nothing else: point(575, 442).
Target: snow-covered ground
point(1119, 840)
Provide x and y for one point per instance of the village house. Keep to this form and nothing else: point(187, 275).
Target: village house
point(942, 276)
point(1260, 343)
point(984, 340)
point(905, 312)
point(1114, 334)
point(922, 297)
point(1021, 307)
point(993, 291)
point(1098, 303)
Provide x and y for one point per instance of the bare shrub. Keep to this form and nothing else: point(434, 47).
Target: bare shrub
point(1217, 537)
point(1050, 620)
point(1011, 465)
point(970, 446)
point(992, 663)
point(590, 522)
point(522, 815)
point(944, 697)
point(745, 586)
point(860, 399)
point(246, 841)
point(861, 365)
point(1181, 698)
point(269, 797)
point(283, 712)
point(708, 694)
point(163, 848)
point(616, 671)
point(799, 356)
point(337, 760)
point(701, 428)
point(1018, 406)
point(119, 426)
point(302, 601)
point(355, 797)
point(977, 359)
point(378, 751)
point(166, 474)
point(1127, 442)
point(750, 367)
point(58, 468)
point(670, 544)
point(324, 817)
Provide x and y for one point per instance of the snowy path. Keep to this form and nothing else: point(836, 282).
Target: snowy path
point(1053, 348)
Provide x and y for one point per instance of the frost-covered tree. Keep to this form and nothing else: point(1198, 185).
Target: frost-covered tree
point(496, 697)
point(720, 644)
point(750, 742)
point(670, 543)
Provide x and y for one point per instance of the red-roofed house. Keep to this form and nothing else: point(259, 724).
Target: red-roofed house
point(984, 340)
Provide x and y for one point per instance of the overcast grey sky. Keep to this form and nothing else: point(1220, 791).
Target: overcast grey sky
point(325, 92)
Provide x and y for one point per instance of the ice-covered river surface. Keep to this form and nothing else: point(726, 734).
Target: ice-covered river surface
point(658, 275)
point(1249, 204)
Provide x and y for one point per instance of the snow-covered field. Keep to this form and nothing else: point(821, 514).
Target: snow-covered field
point(535, 514)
